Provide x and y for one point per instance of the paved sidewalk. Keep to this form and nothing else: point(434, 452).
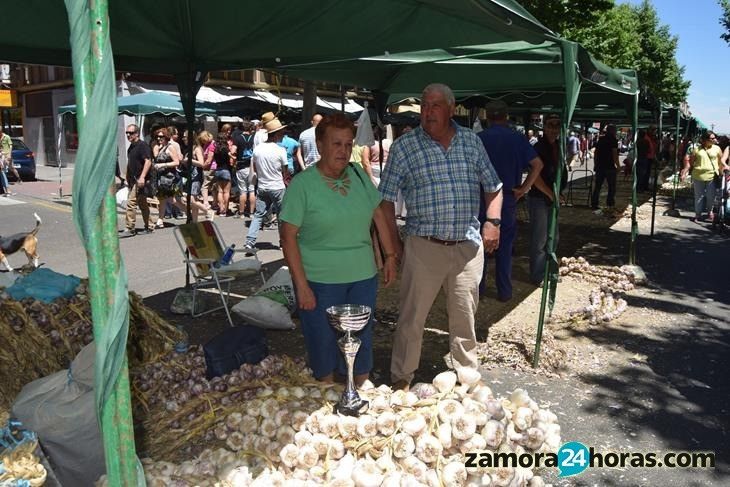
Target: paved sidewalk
point(675, 400)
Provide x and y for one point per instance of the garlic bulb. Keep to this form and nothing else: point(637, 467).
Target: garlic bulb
point(387, 423)
point(454, 474)
point(468, 376)
point(444, 435)
point(403, 445)
point(449, 409)
point(307, 457)
point(347, 426)
point(367, 426)
point(366, 473)
point(523, 418)
point(445, 381)
point(328, 425)
point(493, 434)
point(464, 426)
point(413, 424)
point(428, 448)
point(321, 444)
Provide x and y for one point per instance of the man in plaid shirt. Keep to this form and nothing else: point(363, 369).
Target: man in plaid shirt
point(438, 167)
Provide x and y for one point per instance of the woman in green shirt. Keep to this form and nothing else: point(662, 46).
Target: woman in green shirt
point(325, 235)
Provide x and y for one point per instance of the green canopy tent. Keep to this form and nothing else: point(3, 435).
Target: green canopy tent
point(151, 102)
point(186, 47)
point(554, 76)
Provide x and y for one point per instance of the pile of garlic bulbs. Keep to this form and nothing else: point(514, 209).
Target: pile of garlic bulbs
point(180, 408)
point(603, 307)
point(605, 303)
point(608, 278)
point(404, 438)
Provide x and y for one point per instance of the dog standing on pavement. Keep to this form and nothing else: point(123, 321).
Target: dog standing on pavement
point(26, 241)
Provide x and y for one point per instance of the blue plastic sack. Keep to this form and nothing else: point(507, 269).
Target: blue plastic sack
point(44, 285)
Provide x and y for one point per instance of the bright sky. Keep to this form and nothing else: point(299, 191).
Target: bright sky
point(703, 54)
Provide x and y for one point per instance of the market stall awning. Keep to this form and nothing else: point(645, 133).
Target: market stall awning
point(151, 102)
point(527, 76)
point(263, 34)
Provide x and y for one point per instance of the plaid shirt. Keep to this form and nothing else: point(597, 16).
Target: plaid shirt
point(440, 187)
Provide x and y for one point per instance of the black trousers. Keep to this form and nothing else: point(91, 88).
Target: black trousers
point(610, 177)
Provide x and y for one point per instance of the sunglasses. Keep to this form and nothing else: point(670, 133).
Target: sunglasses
point(160, 136)
point(130, 133)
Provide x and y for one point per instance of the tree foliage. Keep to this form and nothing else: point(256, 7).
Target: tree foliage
point(565, 17)
point(725, 19)
point(622, 36)
point(660, 76)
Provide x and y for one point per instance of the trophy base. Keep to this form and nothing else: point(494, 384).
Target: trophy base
point(352, 408)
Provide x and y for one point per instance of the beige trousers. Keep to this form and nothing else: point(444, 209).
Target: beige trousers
point(428, 267)
point(137, 198)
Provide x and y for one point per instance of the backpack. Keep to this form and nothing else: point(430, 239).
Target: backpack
point(244, 143)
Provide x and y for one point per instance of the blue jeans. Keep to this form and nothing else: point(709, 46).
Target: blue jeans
point(704, 192)
point(267, 200)
point(540, 208)
point(503, 255)
point(320, 338)
point(4, 186)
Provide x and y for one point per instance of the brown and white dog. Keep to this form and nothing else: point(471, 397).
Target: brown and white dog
point(26, 241)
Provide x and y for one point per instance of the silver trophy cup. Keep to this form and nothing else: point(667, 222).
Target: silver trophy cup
point(349, 318)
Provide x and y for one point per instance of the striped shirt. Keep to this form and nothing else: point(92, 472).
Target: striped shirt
point(440, 186)
point(308, 144)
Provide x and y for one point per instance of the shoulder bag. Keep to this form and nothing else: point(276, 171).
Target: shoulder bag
point(378, 250)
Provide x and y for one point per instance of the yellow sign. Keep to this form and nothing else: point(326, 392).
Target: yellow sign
point(8, 98)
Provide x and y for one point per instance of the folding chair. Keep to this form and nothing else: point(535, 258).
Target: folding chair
point(578, 183)
point(202, 245)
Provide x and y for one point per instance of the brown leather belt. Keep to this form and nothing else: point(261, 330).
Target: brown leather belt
point(443, 242)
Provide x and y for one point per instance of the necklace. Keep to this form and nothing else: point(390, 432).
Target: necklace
point(339, 185)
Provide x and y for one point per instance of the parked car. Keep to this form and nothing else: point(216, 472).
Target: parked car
point(23, 160)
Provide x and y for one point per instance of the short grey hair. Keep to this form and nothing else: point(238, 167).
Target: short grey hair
point(443, 90)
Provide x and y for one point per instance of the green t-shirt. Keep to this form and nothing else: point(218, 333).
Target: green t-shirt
point(334, 229)
point(6, 145)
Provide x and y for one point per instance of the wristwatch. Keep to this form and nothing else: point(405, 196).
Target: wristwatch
point(494, 221)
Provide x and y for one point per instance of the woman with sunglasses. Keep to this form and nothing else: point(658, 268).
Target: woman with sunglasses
point(166, 159)
point(707, 165)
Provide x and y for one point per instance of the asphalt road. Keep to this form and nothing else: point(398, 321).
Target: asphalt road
point(154, 262)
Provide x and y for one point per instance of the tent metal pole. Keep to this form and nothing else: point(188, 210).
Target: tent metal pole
point(656, 169)
point(634, 223)
point(102, 250)
point(552, 228)
point(674, 169)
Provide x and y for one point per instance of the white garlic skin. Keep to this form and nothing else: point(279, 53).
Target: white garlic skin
point(445, 381)
point(453, 474)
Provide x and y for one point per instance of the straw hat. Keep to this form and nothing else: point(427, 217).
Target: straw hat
point(267, 117)
point(273, 125)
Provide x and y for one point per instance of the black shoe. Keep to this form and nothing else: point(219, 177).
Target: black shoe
point(128, 233)
point(250, 249)
point(148, 231)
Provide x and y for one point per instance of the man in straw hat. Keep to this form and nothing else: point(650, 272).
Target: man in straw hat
point(270, 167)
